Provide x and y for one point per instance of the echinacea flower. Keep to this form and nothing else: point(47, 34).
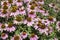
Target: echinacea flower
point(45, 13)
point(3, 13)
point(58, 25)
point(50, 30)
point(29, 21)
point(34, 37)
point(32, 14)
point(14, 13)
point(41, 10)
point(51, 19)
point(4, 3)
point(18, 19)
point(32, 7)
point(10, 1)
point(42, 28)
point(46, 22)
point(24, 35)
point(16, 37)
point(2, 27)
point(19, 3)
point(22, 11)
point(4, 36)
point(10, 27)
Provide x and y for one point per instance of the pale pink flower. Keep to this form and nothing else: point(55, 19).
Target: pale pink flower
point(29, 21)
point(4, 36)
point(17, 22)
point(32, 14)
point(41, 10)
point(46, 22)
point(23, 35)
point(34, 37)
point(19, 3)
point(2, 27)
point(52, 19)
point(10, 28)
point(2, 14)
point(58, 25)
point(43, 30)
point(45, 13)
point(50, 30)
point(41, 27)
point(15, 13)
point(16, 37)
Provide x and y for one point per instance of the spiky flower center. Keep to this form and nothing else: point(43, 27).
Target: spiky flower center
point(24, 33)
point(41, 8)
point(10, 1)
point(14, 8)
point(29, 19)
point(3, 34)
point(32, 35)
point(4, 11)
point(19, 0)
point(18, 18)
point(31, 12)
point(16, 38)
point(50, 18)
point(5, 7)
point(10, 25)
point(5, 3)
point(3, 26)
point(42, 26)
point(32, 7)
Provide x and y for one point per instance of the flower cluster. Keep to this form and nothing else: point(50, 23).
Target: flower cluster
point(29, 20)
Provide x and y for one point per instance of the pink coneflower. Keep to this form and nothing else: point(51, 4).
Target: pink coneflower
point(10, 27)
point(23, 35)
point(19, 3)
point(16, 37)
point(18, 19)
point(3, 13)
point(29, 21)
point(50, 30)
point(14, 13)
point(45, 13)
point(41, 10)
point(4, 36)
point(36, 23)
point(34, 37)
point(22, 12)
point(46, 22)
point(41, 27)
point(32, 14)
point(32, 7)
point(2, 27)
point(51, 19)
point(58, 25)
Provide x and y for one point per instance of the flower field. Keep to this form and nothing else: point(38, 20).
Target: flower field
point(29, 19)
